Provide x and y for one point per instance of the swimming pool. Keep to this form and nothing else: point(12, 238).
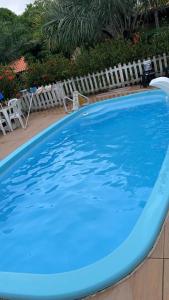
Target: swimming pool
point(83, 202)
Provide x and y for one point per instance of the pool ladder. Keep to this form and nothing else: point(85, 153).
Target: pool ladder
point(78, 100)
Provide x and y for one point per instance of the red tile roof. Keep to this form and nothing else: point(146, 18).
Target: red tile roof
point(19, 65)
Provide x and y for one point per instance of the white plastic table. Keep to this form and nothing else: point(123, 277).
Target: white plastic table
point(5, 111)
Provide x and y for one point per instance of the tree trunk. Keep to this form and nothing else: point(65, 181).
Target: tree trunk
point(156, 17)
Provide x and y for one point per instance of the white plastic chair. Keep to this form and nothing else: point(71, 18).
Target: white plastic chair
point(15, 112)
point(2, 126)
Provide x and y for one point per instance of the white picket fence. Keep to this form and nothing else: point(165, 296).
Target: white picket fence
point(119, 76)
point(46, 99)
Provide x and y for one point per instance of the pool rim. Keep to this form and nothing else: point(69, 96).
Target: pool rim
point(107, 271)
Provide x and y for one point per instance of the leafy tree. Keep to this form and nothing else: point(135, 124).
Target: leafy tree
point(22, 35)
point(7, 15)
point(12, 33)
point(33, 18)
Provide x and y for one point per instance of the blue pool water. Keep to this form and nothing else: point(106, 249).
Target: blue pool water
point(76, 196)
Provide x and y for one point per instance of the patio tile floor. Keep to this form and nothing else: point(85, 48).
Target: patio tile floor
point(149, 282)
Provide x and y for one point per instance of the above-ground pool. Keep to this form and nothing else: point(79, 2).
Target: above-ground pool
point(82, 203)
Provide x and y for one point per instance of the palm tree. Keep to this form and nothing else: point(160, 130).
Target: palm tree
point(73, 23)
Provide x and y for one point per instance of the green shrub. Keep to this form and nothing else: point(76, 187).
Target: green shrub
point(54, 69)
point(111, 53)
point(104, 55)
point(9, 84)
